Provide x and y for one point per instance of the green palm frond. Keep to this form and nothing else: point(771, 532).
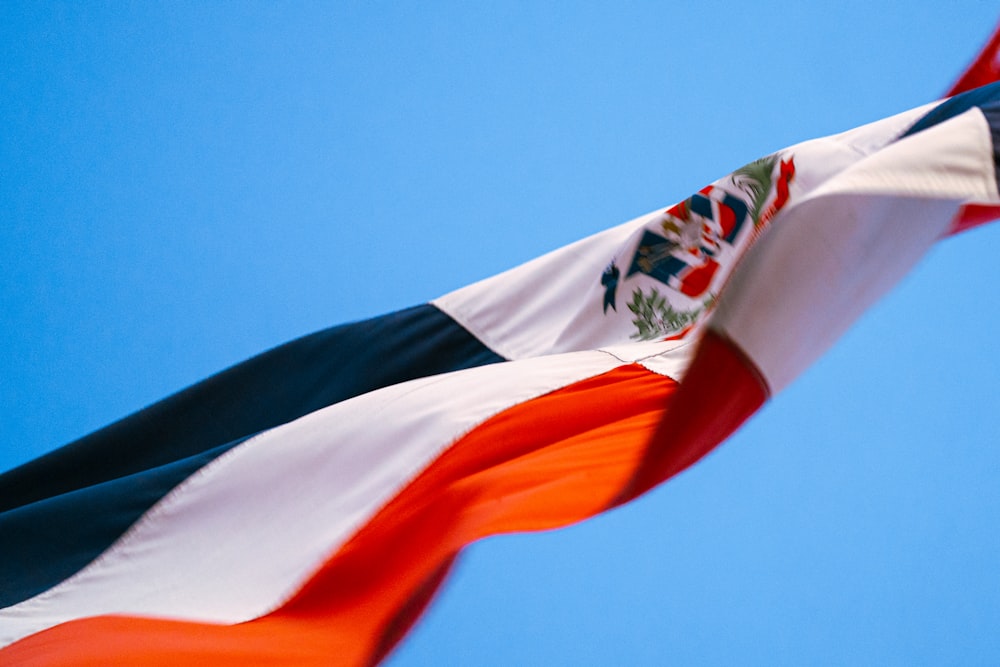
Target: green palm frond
point(655, 317)
point(755, 179)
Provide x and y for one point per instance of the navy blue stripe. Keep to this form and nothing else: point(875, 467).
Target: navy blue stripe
point(987, 98)
point(51, 539)
point(60, 511)
point(992, 113)
point(955, 106)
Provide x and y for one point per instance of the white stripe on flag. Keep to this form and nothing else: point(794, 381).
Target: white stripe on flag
point(553, 304)
point(831, 254)
point(293, 495)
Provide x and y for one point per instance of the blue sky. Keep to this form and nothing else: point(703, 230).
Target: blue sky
point(183, 185)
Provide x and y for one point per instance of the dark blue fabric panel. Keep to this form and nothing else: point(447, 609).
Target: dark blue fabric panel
point(63, 509)
point(49, 540)
point(987, 98)
point(992, 113)
point(956, 106)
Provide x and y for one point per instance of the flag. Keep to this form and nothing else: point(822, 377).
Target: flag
point(302, 507)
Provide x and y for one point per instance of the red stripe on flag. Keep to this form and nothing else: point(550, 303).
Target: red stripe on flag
point(545, 463)
point(973, 215)
point(720, 391)
point(984, 69)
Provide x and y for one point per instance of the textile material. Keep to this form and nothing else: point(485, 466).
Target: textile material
point(301, 508)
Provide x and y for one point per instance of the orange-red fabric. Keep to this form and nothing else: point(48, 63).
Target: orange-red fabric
point(974, 215)
point(549, 462)
point(983, 70)
point(721, 390)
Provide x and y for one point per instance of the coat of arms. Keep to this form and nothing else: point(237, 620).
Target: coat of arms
point(691, 241)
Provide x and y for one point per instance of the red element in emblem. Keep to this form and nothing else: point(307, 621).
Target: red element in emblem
point(785, 175)
point(695, 281)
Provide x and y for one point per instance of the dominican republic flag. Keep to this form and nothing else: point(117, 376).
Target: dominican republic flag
point(302, 507)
